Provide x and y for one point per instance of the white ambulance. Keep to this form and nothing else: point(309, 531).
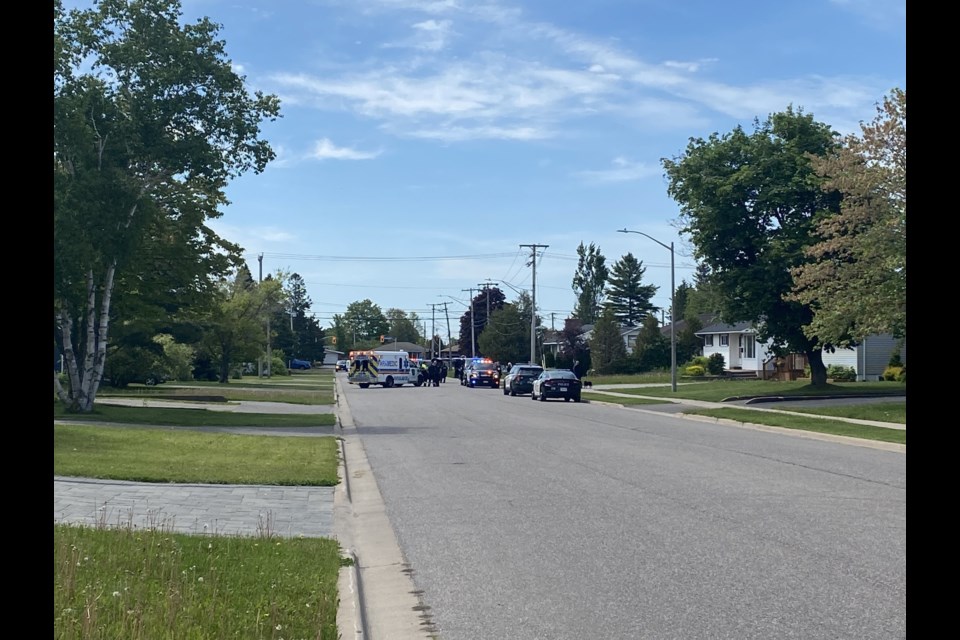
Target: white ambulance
point(385, 368)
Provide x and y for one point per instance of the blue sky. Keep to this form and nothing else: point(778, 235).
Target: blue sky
point(424, 141)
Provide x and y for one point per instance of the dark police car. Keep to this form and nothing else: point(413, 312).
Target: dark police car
point(482, 373)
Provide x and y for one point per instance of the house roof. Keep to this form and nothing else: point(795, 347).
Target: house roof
point(720, 327)
point(706, 320)
point(409, 347)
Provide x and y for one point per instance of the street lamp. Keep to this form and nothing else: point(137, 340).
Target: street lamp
point(673, 309)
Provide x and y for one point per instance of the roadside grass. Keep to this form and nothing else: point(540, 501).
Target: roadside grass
point(892, 411)
point(141, 584)
point(166, 455)
point(605, 397)
point(199, 417)
point(259, 392)
point(720, 390)
point(806, 423)
point(652, 377)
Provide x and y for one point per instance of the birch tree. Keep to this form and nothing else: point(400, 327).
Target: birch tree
point(150, 123)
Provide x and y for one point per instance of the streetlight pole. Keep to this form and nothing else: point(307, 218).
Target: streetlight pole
point(673, 308)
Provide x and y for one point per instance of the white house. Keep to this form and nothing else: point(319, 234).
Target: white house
point(870, 357)
point(738, 345)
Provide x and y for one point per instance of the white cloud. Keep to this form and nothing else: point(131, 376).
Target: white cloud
point(324, 149)
point(623, 170)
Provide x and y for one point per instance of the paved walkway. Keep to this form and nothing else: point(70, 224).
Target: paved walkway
point(246, 510)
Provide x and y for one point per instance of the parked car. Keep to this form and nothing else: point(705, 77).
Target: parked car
point(556, 383)
point(520, 378)
point(482, 374)
point(343, 365)
point(300, 364)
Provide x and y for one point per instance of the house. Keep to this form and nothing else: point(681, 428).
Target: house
point(737, 343)
point(869, 358)
point(330, 356)
point(741, 352)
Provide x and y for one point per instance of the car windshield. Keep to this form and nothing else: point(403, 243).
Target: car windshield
point(484, 366)
point(568, 375)
point(528, 371)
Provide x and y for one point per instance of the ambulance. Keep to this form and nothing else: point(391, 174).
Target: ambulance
point(385, 368)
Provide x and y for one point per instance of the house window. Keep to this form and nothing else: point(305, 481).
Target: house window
point(749, 344)
point(708, 340)
point(724, 339)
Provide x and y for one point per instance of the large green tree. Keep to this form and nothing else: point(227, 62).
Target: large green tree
point(627, 297)
point(365, 322)
point(402, 327)
point(235, 325)
point(151, 121)
point(607, 351)
point(506, 337)
point(488, 300)
point(857, 277)
point(749, 203)
point(589, 282)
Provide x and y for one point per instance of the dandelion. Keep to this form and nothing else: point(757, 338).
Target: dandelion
point(279, 627)
point(116, 594)
point(210, 546)
point(200, 579)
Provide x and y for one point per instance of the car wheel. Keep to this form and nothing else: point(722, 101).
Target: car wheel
point(566, 398)
point(505, 392)
point(576, 398)
point(532, 396)
point(512, 392)
point(388, 382)
point(542, 398)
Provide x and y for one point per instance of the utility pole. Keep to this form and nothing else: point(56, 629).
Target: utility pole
point(433, 332)
point(473, 339)
point(447, 314)
point(533, 300)
point(260, 260)
point(486, 290)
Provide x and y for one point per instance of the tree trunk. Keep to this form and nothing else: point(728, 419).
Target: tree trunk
point(85, 383)
point(818, 371)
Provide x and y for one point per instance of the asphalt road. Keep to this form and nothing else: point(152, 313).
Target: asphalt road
point(530, 520)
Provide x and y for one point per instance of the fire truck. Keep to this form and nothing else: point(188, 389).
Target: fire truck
point(385, 368)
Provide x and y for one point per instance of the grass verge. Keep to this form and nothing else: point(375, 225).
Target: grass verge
point(606, 397)
point(806, 423)
point(143, 584)
point(165, 455)
point(719, 390)
point(199, 417)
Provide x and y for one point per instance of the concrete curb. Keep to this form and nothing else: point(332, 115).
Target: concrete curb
point(381, 600)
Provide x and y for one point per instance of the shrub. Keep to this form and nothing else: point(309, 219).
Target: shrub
point(840, 373)
point(694, 370)
point(892, 374)
point(895, 360)
point(902, 376)
point(715, 364)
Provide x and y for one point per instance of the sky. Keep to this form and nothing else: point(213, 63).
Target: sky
point(425, 145)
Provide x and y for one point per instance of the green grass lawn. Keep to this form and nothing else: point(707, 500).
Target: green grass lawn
point(171, 455)
point(806, 423)
point(145, 584)
point(142, 584)
point(592, 396)
point(199, 417)
point(719, 390)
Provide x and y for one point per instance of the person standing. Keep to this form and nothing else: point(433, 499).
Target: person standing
point(443, 371)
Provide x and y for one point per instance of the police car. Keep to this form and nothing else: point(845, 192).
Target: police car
point(481, 372)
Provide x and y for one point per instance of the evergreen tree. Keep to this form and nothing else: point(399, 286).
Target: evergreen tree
point(589, 282)
point(627, 297)
point(607, 351)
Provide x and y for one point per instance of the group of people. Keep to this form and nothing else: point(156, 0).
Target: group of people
point(433, 373)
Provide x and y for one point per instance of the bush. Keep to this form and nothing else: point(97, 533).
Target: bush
point(840, 373)
point(902, 376)
point(892, 374)
point(694, 370)
point(715, 364)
